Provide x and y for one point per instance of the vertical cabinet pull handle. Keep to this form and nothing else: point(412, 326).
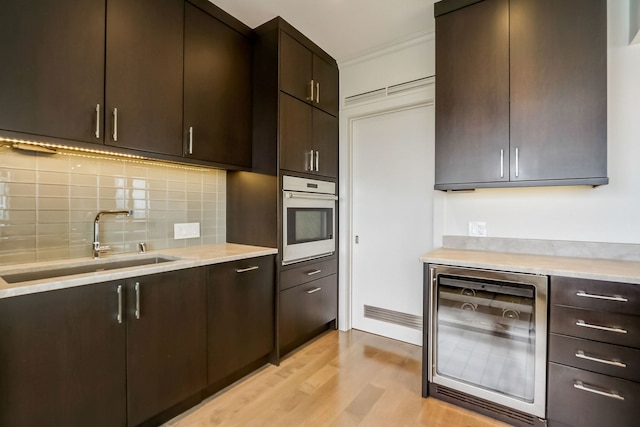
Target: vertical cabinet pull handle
point(318, 93)
point(310, 166)
point(517, 162)
point(137, 312)
point(190, 139)
point(502, 163)
point(582, 355)
point(98, 121)
point(119, 291)
point(311, 96)
point(616, 298)
point(317, 161)
point(115, 124)
point(584, 387)
point(244, 270)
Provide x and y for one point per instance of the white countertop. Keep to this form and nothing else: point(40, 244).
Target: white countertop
point(194, 256)
point(587, 268)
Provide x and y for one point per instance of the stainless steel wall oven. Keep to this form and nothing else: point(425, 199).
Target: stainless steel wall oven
point(487, 341)
point(308, 219)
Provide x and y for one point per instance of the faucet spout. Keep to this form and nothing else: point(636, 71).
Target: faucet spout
point(97, 248)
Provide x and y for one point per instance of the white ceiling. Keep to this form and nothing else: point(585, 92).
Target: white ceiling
point(345, 29)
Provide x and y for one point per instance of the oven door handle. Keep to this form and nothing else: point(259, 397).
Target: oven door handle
point(311, 196)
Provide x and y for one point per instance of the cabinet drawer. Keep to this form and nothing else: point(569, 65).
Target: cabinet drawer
point(586, 399)
point(607, 359)
point(596, 295)
point(612, 328)
point(307, 273)
point(306, 308)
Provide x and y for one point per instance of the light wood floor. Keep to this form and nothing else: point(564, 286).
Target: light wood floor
point(341, 379)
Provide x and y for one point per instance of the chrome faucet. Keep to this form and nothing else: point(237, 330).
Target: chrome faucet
point(97, 248)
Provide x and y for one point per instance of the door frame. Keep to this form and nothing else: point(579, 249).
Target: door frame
point(423, 96)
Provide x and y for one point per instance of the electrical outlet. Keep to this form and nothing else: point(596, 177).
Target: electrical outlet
point(188, 230)
point(478, 229)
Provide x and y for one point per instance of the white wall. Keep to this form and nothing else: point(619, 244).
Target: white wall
point(604, 214)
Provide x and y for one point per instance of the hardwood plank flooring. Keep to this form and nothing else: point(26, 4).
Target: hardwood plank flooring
point(341, 379)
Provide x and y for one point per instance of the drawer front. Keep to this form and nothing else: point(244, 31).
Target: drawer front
point(586, 399)
point(607, 359)
point(307, 273)
point(596, 295)
point(612, 328)
point(306, 308)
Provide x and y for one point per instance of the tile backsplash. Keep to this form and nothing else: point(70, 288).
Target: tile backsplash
point(48, 203)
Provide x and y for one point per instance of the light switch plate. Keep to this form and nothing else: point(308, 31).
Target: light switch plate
point(477, 229)
point(188, 230)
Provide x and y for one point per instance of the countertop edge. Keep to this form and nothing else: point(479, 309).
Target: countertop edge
point(584, 268)
point(191, 257)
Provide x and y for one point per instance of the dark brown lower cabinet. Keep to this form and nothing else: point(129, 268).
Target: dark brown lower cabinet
point(62, 358)
point(111, 354)
point(587, 399)
point(166, 342)
point(241, 317)
point(305, 309)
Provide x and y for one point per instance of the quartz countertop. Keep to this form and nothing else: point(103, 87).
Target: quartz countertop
point(587, 268)
point(194, 256)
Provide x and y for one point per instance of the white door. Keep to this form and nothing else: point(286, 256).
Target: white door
point(392, 208)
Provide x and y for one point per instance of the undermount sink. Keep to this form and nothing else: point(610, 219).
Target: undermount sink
point(92, 266)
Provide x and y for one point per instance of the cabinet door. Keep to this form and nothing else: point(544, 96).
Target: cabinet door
point(296, 68)
point(240, 314)
point(52, 77)
point(326, 76)
point(472, 107)
point(166, 338)
point(306, 308)
point(217, 90)
point(144, 75)
point(558, 89)
point(62, 358)
point(325, 143)
point(295, 134)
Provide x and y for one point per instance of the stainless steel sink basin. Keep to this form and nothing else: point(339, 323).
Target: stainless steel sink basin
point(89, 267)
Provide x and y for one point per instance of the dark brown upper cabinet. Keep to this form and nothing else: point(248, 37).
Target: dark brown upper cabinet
point(521, 93)
point(144, 75)
point(292, 132)
point(307, 76)
point(217, 90)
point(52, 77)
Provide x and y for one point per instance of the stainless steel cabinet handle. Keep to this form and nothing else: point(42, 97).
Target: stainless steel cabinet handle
point(244, 270)
point(310, 168)
point(583, 324)
point(98, 121)
point(617, 298)
point(314, 272)
point(115, 124)
point(119, 291)
point(313, 291)
point(582, 355)
point(517, 162)
point(318, 93)
point(190, 139)
point(311, 97)
point(137, 312)
point(502, 163)
point(612, 394)
point(317, 161)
